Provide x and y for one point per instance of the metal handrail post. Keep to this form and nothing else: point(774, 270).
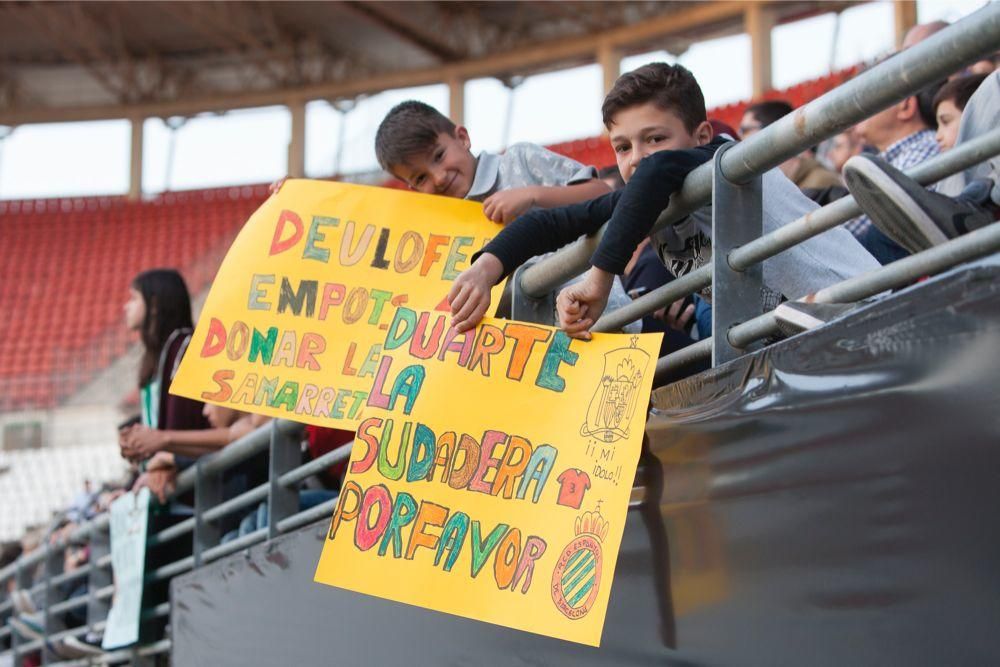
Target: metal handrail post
point(207, 494)
point(737, 219)
point(53, 623)
point(282, 501)
point(25, 581)
point(894, 79)
point(99, 577)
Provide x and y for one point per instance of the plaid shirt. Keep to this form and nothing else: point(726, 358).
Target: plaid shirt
point(902, 155)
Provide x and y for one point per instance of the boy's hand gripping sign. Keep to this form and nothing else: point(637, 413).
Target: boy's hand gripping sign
point(294, 323)
point(491, 473)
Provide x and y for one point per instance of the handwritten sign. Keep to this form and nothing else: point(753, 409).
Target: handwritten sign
point(129, 521)
point(490, 477)
point(293, 325)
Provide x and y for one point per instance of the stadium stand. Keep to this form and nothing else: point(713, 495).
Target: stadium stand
point(31, 499)
point(76, 256)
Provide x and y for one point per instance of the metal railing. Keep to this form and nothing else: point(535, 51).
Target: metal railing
point(40, 572)
point(731, 184)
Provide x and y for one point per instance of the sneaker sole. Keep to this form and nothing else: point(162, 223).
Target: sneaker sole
point(888, 205)
point(796, 318)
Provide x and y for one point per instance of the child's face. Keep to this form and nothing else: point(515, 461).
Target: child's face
point(949, 117)
point(642, 130)
point(446, 169)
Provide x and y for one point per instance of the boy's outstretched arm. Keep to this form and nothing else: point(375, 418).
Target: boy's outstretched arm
point(469, 296)
point(535, 233)
point(648, 192)
point(506, 206)
point(657, 178)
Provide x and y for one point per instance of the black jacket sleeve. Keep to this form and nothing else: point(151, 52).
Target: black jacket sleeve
point(648, 192)
point(545, 230)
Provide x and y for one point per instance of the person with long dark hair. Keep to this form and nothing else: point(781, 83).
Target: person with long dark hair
point(159, 309)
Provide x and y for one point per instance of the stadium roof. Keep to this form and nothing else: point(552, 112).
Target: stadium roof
point(93, 60)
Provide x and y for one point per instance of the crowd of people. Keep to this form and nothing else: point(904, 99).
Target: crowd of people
point(656, 121)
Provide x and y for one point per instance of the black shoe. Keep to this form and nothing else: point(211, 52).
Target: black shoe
point(907, 212)
point(797, 316)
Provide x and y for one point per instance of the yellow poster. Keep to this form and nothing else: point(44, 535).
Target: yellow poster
point(294, 323)
point(491, 473)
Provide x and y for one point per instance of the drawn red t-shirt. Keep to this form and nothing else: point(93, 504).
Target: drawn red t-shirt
point(573, 483)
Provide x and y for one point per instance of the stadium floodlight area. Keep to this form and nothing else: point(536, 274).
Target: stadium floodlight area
point(734, 171)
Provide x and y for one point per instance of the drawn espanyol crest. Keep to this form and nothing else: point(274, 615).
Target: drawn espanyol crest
point(613, 404)
point(577, 575)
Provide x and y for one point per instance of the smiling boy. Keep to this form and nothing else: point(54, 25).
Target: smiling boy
point(427, 151)
point(656, 121)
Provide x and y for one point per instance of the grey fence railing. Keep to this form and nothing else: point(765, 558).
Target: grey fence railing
point(731, 182)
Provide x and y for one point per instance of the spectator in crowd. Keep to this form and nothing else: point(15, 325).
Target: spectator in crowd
point(159, 308)
point(78, 509)
point(842, 148)
point(427, 151)
point(949, 103)
point(915, 218)
point(904, 136)
point(656, 119)
point(804, 169)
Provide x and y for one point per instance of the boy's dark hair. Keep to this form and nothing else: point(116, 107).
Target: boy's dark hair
point(769, 111)
point(669, 87)
point(925, 104)
point(410, 128)
point(959, 90)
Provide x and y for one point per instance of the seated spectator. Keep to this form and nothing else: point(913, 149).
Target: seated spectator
point(917, 218)
point(842, 148)
point(949, 103)
point(904, 136)
point(804, 169)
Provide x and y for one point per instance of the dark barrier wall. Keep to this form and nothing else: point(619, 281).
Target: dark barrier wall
point(829, 501)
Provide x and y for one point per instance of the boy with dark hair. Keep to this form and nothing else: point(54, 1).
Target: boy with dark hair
point(655, 117)
point(427, 151)
point(948, 105)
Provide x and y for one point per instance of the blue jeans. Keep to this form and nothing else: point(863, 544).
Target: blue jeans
point(881, 247)
point(258, 518)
